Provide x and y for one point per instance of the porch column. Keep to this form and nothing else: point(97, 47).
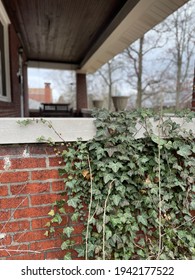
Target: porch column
point(81, 91)
point(25, 85)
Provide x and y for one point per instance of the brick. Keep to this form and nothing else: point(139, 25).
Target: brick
point(30, 236)
point(40, 223)
point(28, 163)
point(44, 199)
point(30, 188)
point(13, 177)
point(58, 186)
point(41, 149)
point(14, 250)
point(28, 256)
point(78, 229)
point(15, 226)
point(6, 241)
point(56, 255)
point(14, 202)
point(59, 255)
point(77, 239)
point(12, 150)
point(56, 161)
point(193, 213)
point(4, 215)
point(3, 191)
point(45, 174)
point(46, 245)
point(32, 212)
point(69, 209)
point(2, 163)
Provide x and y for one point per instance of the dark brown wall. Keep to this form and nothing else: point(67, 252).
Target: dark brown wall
point(12, 109)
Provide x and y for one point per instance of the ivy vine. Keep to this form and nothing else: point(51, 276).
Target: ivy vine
point(134, 195)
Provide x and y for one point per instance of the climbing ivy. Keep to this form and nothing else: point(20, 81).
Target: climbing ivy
point(134, 194)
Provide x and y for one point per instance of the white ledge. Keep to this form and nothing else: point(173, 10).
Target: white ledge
point(68, 129)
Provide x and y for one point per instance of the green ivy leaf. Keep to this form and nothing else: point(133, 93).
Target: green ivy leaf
point(68, 256)
point(62, 210)
point(116, 199)
point(142, 242)
point(81, 251)
point(75, 217)
point(115, 166)
point(141, 253)
point(52, 230)
point(156, 139)
point(71, 184)
point(184, 151)
point(57, 218)
point(68, 231)
point(108, 177)
point(73, 202)
point(141, 219)
point(192, 205)
point(66, 245)
point(99, 227)
point(108, 234)
point(116, 238)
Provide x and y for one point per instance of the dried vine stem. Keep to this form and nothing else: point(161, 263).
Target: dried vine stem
point(89, 211)
point(104, 220)
point(160, 205)
point(159, 188)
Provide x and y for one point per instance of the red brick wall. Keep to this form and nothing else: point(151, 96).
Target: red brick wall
point(29, 184)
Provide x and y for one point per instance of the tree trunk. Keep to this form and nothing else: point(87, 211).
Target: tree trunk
point(139, 74)
point(178, 81)
point(109, 86)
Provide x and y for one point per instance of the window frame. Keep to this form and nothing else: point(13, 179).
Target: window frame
point(5, 23)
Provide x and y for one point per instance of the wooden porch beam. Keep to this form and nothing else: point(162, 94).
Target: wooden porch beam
point(51, 65)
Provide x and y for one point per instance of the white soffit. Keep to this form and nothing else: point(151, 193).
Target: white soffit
point(144, 16)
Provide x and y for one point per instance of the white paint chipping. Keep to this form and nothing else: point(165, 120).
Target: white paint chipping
point(7, 163)
point(25, 154)
point(2, 236)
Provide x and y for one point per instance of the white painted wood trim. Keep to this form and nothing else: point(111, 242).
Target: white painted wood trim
point(5, 22)
point(70, 129)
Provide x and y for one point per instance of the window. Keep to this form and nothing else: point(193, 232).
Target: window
point(4, 56)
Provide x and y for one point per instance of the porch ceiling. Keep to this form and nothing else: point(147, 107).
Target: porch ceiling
point(83, 34)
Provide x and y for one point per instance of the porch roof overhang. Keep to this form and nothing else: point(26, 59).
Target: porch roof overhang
point(82, 35)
